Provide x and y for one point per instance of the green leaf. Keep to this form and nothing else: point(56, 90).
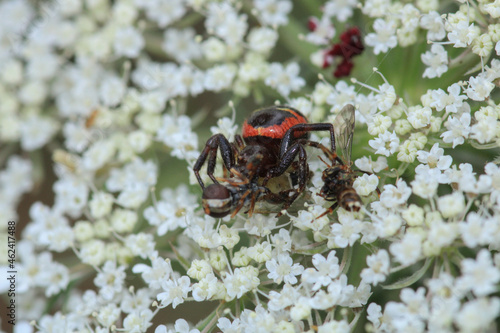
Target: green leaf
point(407, 281)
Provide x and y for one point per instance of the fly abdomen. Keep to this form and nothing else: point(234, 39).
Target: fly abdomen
point(349, 200)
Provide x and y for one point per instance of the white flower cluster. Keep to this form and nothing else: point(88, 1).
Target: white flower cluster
point(112, 91)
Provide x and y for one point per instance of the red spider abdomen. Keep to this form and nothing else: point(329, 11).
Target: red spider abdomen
point(272, 123)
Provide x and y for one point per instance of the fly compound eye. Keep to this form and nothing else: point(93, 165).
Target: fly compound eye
point(216, 200)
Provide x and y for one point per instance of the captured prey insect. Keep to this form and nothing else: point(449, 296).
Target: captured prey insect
point(233, 194)
point(271, 140)
point(338, 177)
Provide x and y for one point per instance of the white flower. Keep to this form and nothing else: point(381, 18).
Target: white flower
point(341, 326)
point(133, 195)
point(60, 239)
point(123, 13)
point(341, 10)
point(476, 231)
point(414, 215)
point(479, 87)
point(224, 22)
point(282, 241)
point(154, 275)
point(345, 233)
point(376, 8)
point(419, 117)
point(43, 67)
point(92, 252)
point(485, 129)
point(479, 275)
point(283, 269)
point(128, 42)
point(164, 12)
point(437, 61)
point(408, 250)
point(374, 314)
point(260, 252)
point(326, 269)
point(440, 235)
point(98, 154)
point(181, 44)
point(387, 226)
point(141, 245)
point(451, 205)
point(36, 131)
point(199, 269)
point(273, 12)
point(482, 45)
point(100, 204)
point(435, 158)
point(386, 143)
point(365, 184)
point(227, 326)
point(110, 280)
point(175, 292)
point(366, 164)
point(378, 268)
point(379, 124)
point(17, 177)
point(301, 309)
point(213, 49)
point(175, 208)
point(123, 220)
point(229, 237)
point(138, 321)
point(55, 278)
point(340, 96)
point(260, 225)
point(284, 79)
point(187, 80)
point(108, 314)
point(219, 77)
point(206, 288)
point(262, 39)
point(384, 37)
point(433, 23)
point(478, 315)
point(462, 34)
point(280, 300)
point(322, 34)
point(452, 101)
point(112, 90)
point(175, 132)
point(395, 196)
point(458, 129)
point(241, 281)
point(33, 93)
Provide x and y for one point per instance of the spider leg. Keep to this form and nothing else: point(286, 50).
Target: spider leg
point(241, 203)
point(328, 211)
point(255, 195)
point(238, 140)
point(330, 154)
point(286, 160)
point(217, 141)
point(303, 176)
point(291, 134)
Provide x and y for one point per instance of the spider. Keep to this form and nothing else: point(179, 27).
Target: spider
point(271, 140)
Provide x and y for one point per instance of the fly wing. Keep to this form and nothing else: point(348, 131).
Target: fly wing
point(344, 130)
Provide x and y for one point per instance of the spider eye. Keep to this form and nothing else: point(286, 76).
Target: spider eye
point(216, 200)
